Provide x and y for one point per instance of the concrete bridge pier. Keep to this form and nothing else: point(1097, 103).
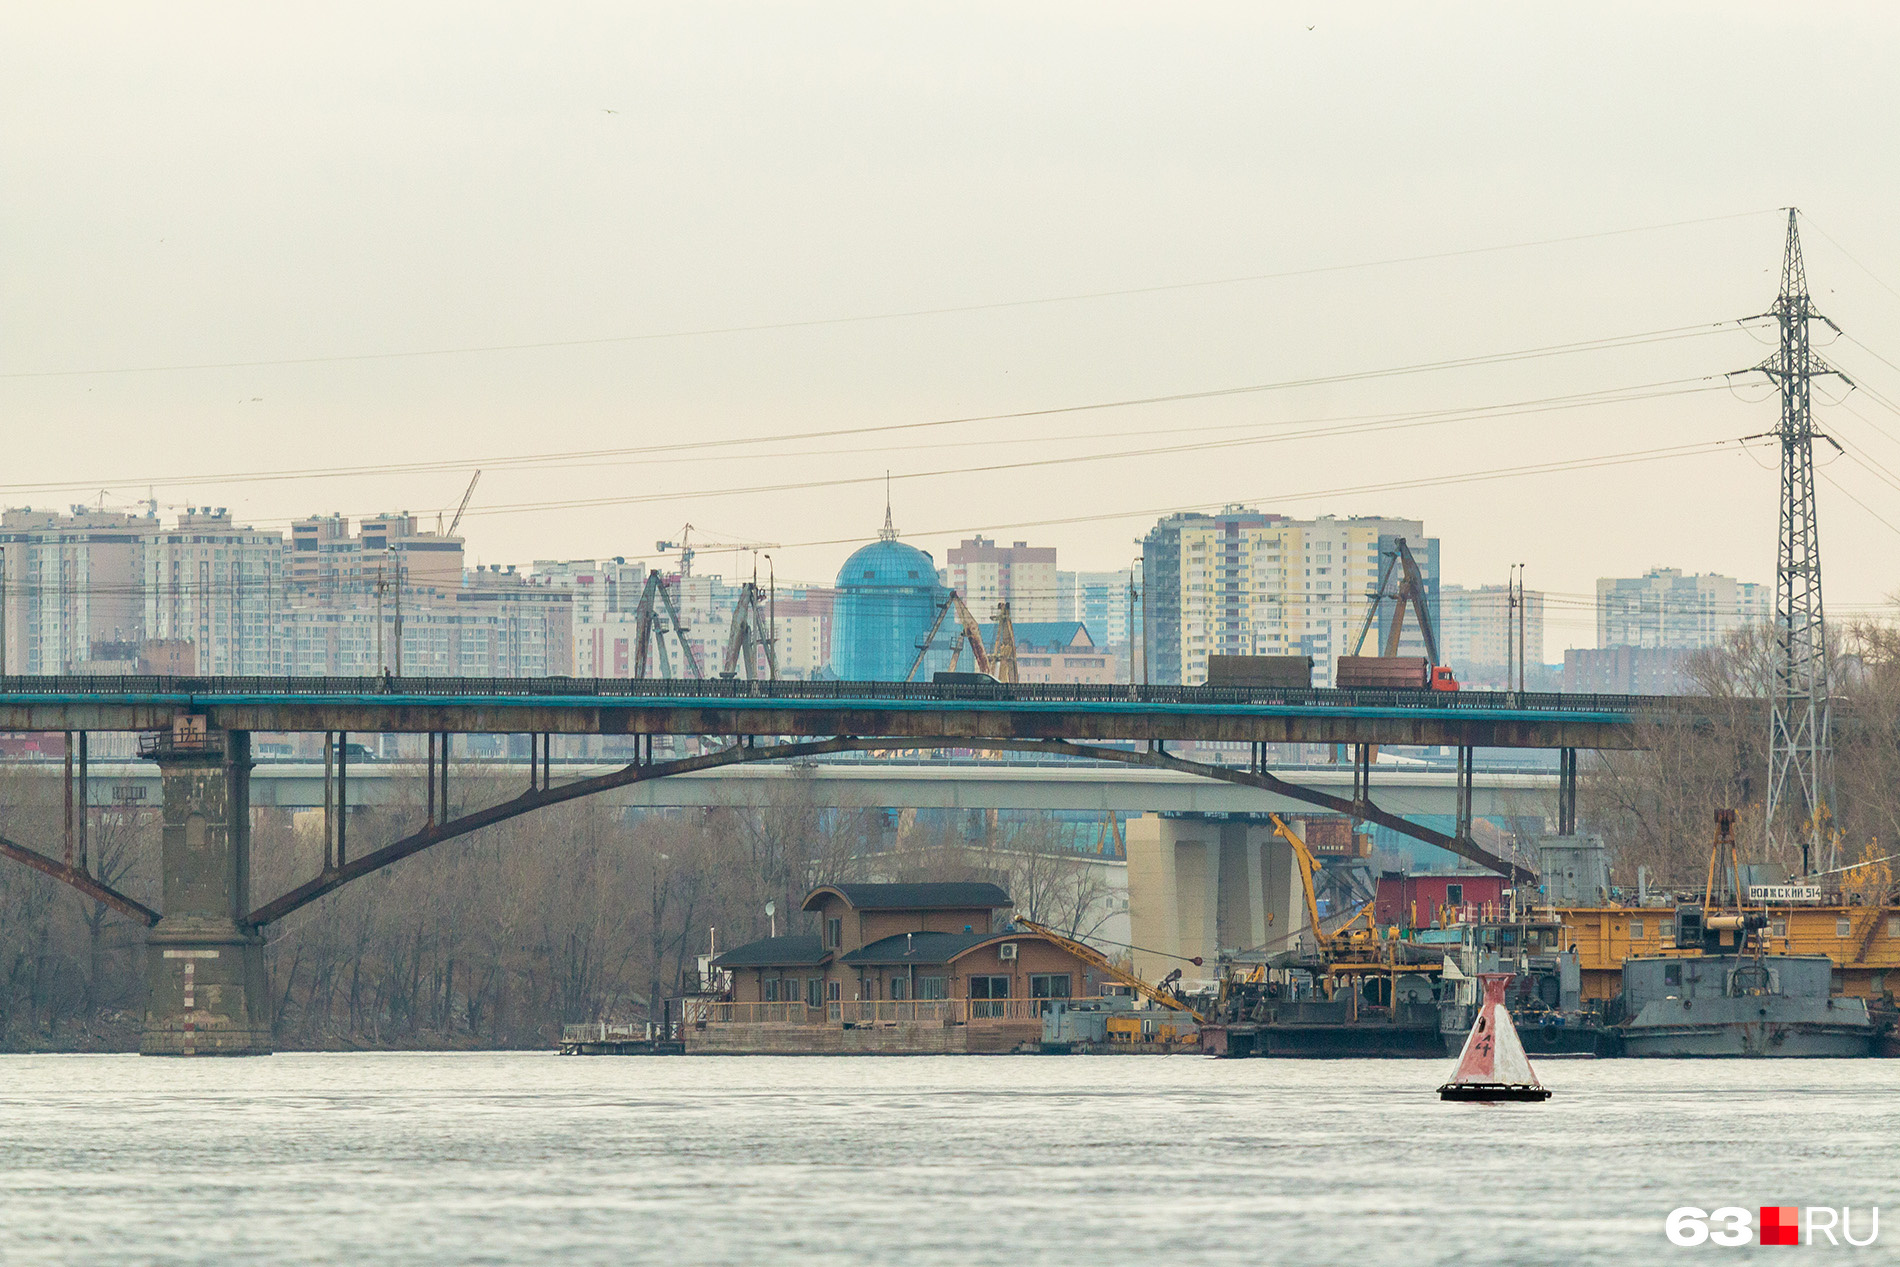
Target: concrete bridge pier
point(204, 969)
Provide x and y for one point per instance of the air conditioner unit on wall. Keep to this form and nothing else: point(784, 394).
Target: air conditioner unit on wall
point(1007, 950)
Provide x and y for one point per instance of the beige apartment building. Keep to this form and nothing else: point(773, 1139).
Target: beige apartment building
point(71, 582)
point(1022, 575)
point(1288, 587)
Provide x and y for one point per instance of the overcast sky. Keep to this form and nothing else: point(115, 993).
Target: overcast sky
point(191, 185)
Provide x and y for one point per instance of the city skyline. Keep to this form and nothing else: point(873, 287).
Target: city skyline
point(364, 279)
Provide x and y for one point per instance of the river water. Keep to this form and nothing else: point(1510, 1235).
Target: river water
point(530, 1158)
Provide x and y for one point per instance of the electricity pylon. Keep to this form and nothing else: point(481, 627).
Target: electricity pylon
point(1800, 781)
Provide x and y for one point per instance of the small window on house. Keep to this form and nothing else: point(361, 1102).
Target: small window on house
point(1454, 895)
point(1778, 928)
point(1893, 926)
point(930, 988)
point(900, 988)
point(1637, 932)
point(1668, 929)
point(770, 994)
point(1843, 927)
point(831, 991)
point(834, 933)
point(814, 991)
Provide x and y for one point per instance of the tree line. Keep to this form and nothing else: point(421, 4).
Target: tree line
point(578, 912)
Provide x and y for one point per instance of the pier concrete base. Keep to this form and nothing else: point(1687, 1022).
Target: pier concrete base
point(204, 968)
point(1199, 886)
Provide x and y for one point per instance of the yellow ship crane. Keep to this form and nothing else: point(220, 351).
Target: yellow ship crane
point(1096, 959)
point(1309, 866)
point(1345, 951)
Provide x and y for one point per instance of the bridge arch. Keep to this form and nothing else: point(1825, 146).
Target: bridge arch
point(745, 752)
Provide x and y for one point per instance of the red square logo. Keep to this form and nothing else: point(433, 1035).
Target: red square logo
point(1780, 1225)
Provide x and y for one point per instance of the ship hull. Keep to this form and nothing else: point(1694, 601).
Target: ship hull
point(1323, 1041)
point(1751, 1027)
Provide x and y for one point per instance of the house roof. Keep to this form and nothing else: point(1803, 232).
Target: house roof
point(775, 952)
point(1045, 635)
point(932, 948)
point(913, 897)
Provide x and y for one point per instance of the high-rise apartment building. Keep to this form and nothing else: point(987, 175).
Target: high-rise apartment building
point(1022, 575)
point(1099, 600)
point(221, 587)
point(1196, 582)
point(1479, 636)
point(1247, 583)
point(1666, 609)
point(69, 583)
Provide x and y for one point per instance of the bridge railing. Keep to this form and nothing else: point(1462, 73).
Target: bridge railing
point(633, 689)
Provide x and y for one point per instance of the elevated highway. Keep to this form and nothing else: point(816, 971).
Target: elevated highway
point(1409, 790)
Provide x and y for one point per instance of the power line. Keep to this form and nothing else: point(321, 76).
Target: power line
point(901, 314)
point(1603, 460)
point(530, 460)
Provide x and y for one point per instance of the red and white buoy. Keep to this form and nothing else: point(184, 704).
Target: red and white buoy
point(1493, 1065)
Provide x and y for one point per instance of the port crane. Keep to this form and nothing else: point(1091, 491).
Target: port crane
point(1410, 592)
point(998, 660)
point(1103, 964)
point(650, 635)
point(749, 638)
point(969, 631)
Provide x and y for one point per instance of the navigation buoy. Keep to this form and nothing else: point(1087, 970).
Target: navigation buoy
point(1493, 1065)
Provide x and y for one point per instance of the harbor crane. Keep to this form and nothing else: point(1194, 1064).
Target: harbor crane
point(998, 660)
point(969, 631)
point(1410, 592)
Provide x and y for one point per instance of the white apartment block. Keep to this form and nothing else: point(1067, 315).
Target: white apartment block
point(1666, 609)
point(1022, 575)
point(1288, 587)
point(219, 586)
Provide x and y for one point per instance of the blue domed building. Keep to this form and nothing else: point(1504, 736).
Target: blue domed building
point(887, 601)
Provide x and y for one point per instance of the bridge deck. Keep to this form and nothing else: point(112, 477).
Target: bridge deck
point(961, 711)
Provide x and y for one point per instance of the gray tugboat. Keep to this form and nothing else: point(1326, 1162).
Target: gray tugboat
point(1733, 999)
point(1543, 993)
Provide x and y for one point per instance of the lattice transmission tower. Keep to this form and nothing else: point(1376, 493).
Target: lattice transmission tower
point(1800, 785)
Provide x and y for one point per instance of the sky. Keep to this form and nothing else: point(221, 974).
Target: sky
point(648, 265)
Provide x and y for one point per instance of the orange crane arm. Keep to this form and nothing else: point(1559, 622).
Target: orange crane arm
point(1308, 865)
point(1101, 962)
point(972, 634)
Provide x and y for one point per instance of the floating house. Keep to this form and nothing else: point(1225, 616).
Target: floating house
point(893, 969)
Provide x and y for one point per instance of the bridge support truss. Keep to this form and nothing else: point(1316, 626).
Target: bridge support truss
point(205, 965)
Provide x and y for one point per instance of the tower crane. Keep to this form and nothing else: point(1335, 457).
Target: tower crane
point(459, 510)
point(687, 547)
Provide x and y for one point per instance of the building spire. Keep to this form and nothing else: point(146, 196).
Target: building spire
point(887, 532)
